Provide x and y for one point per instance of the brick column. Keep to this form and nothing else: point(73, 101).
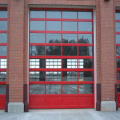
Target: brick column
point(15, 57)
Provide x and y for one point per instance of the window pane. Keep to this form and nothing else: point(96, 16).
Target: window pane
point(86, 89)
point(37, 25)
point(53, 89)
point(117, 27)
point(118, 88)
point(84, 15)
point(69, 63)
point(37, 38)
point(3, 63)
point(117, 16)
point(118, 75)
point(85, 76)
point(37, 76)
point(53, 63)
point(3, 50)
point(69, 14)
point(54, 25)
point(37, 50)
point(53, 76)
point(37, 63)
point(53, 38)
point(3, 38)
point(85, 38)
point(118, 51)
point(69, 89)
point(53, 14)
point(69, 76)
point(85, 51)
point(69, 50)
point(37, 14)
point(3, 14)
point(2, 76)
point(85, 63)
point(37, 89)
point(3, 25)
point(69, 26)
point(69, 38)
point(85, 26)
point(2, 89)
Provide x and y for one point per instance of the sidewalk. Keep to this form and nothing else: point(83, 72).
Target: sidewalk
point(61, 114)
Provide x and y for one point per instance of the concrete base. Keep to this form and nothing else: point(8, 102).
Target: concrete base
point(108, 106)
point(15, 107)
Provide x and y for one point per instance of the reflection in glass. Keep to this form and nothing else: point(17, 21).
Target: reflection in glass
point(118, 39)
point(53, 89)
point(2, 76)
point(53, 50)
point(37, 63)
point(86, 89)
point(85, 26)
point(69, 26)
point(37, 89)
point(53, 38)
point(118, 63)
point(69, 63)
point(117, 50)
point(53, 76)
point(69, 38)
point(84, 15)
point(69, 50)
point(69, 89)
point(69, 76)
point(37, 38)
point(3, 50)
point(37, 76)
point(53, 63)
point(85, 51)
point(118, 75)
point(85, 38)
point(3, 37)
point(2, 89)
point(117, 16)
point(3, 63)
point(54, 25)
point(37, 50)
point(85, 63)
point(37, 25)
point(3, 13)
point(3, 25)
point(53, 14)
point(37, 14)
point(117, 27)
point(118, 88)
point(69, 14)
point(85, 76)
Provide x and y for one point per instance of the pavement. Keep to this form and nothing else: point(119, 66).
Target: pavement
point(61, 114)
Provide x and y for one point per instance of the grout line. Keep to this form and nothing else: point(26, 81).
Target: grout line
point(83, 115)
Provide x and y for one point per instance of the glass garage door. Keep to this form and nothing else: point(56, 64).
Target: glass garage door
point(61, 58)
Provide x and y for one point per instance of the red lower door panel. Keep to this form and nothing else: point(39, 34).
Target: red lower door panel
point(2, 101)
point(118, 99)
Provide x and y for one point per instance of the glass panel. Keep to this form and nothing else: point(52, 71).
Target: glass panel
point(117, 16)
point(53, 14)
point(85, 38)
point(69, 26)
point(69, 76)
point(117, 27)
point(69, 14)
point(3, 63)
point(69, 38)
point(37, 14)
point(3, 14)
point(69, 89)
point(3, 50)
point(37, 38)
point(3, 38)
point(37, 63)
point(37, 76)
point(85, 51)
point(2, 76)
point(118, 88)
point(53, 50)
point(54, 25)
point(3, 25)
point(85, 76)
point(53, 89)
point(53, 63)
point(37, 50)
point(37, 25)
point(2, 89)
point(118, 39)
point(85, 26)
point(117, 50)
point(84, 15)
point(86, 89)
point(85, 63)
point(53, 76)
point(53, 38)
point(37, 89)
point(69, 50)
point(118, 75)
point(69, 63)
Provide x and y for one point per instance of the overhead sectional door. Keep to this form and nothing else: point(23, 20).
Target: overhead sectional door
point(61, 58)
